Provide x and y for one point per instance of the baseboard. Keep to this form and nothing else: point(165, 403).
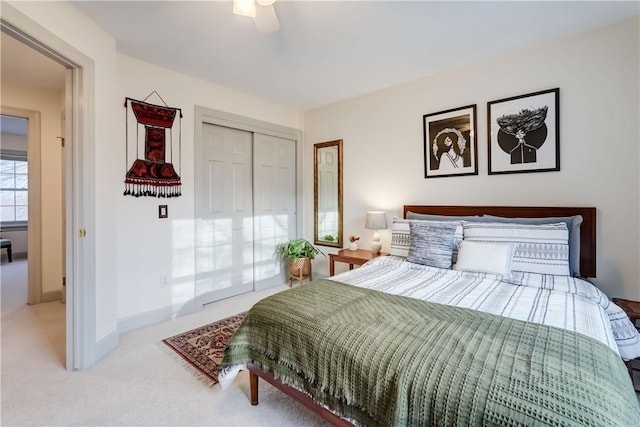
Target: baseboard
point(165, 313)
point(155, 316)
point(262, 287)
point(105, 346)
point(52, 296)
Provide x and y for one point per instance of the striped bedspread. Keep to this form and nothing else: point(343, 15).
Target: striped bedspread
point(561, 301)
point(386, 360)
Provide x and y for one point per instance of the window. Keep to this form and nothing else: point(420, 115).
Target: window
point(14, 189)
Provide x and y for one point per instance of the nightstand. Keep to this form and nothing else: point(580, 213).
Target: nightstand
point(632, 309)
point(357, 257)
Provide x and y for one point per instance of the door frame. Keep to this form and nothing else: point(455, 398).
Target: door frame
point(81, 347)
point(207, 115)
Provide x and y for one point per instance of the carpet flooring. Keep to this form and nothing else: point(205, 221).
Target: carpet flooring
point(138, 384)
point(202, 349)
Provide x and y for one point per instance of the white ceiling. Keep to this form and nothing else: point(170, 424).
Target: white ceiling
point(327, 51)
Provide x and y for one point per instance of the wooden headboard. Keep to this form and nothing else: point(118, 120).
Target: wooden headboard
point(587, 229)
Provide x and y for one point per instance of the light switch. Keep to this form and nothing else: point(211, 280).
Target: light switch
point(163, 211)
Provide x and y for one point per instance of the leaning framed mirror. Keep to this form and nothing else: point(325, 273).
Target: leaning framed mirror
point(327, 194)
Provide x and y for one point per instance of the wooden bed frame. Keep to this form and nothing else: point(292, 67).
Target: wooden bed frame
point(587, 269)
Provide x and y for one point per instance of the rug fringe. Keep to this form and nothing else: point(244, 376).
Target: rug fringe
point(195, 372)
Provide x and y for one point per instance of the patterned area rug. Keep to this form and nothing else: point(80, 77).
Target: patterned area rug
point(203, 348)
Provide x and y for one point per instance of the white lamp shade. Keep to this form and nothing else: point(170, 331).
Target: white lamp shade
point(376, 220)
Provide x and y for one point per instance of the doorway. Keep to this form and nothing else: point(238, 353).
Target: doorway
point(14, 208)
point(80, 326)
point(28, 238)
point(34, 94)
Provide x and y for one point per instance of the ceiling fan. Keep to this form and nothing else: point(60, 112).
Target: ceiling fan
point(262, 12)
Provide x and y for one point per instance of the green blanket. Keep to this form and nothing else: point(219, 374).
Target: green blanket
point(381, 359)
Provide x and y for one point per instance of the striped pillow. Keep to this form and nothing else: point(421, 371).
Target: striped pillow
point(540, 248)
point(573, 225)
point(401, 241)
point(432, 243)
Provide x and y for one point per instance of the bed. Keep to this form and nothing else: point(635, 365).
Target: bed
point(497, 337)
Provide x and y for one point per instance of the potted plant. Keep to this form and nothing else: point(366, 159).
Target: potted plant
point(299, 252)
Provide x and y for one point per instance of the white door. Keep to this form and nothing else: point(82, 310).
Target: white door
point(274, 205)
point(224, 228)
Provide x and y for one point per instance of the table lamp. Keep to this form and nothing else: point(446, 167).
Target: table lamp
point(376, 220)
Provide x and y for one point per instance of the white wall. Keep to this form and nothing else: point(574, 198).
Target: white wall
point(48, 103)
point(150, 250)
point(597, 74)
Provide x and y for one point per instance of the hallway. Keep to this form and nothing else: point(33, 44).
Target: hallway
point(28, 330)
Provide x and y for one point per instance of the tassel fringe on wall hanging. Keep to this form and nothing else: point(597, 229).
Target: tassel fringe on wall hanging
point(153, 175)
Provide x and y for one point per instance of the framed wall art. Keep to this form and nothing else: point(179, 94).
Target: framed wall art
point(524, 133)
point(450, 143)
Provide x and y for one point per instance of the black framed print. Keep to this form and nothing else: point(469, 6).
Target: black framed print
point(524, 133)
point(450, 143)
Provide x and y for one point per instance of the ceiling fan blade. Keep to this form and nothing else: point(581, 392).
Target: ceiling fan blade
point(266, 20)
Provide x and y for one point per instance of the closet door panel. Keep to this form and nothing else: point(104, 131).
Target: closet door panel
point(274, 205)
point(224, 211)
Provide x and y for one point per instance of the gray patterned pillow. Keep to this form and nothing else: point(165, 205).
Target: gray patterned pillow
point(431, 243)
point(401, 241)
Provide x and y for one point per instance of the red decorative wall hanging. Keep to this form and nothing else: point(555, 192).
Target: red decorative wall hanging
point(154, 175)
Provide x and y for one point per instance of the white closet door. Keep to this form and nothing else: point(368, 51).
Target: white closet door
point(224, 208)
point(274, 205)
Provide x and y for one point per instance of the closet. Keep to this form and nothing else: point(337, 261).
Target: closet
point(245, 204)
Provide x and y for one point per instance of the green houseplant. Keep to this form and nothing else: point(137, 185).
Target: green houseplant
point(296, 249)
point(299, 252)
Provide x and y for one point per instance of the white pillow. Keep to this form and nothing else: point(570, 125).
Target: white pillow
point(540, 248)
point(481, 257)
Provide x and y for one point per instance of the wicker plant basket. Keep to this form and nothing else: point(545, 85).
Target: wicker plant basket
point(299, 269)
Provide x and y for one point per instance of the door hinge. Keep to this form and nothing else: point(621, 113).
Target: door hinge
point(82, 232)
point(61, 138)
